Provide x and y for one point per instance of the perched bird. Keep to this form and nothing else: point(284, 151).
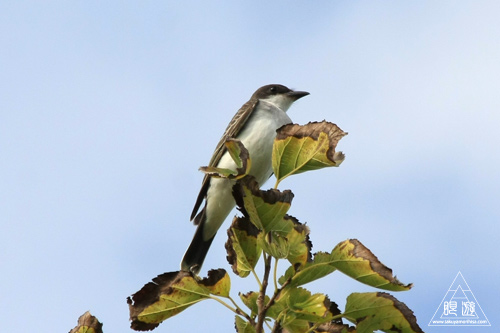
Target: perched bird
point(255, 125)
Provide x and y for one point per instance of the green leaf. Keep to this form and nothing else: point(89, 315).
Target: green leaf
point(243, 252)
point(314, 308)
point(299, 309)
point(379, 311)
point(265, 209)
point(292, 242)
point(170, 294)
point(250, 300)
point(303, 148)
point(275, 244)
point(87, 323)
point(355, 260)
point(321, 266)
point(293, 325)
point(241, 158)
point(275, 309)
point(243, 326)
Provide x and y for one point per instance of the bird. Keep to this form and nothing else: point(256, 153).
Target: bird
point(255, 125)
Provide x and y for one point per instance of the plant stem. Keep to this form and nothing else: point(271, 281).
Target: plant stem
point(277, 323)
point(277, 293)
point(275, 273)
point(224, 303)
point(313, 328)
point(257, 278)
point(262, 307)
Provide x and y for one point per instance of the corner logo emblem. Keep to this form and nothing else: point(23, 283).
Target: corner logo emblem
point(459, 307)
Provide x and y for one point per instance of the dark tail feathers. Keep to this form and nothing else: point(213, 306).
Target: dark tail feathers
point(196, 252)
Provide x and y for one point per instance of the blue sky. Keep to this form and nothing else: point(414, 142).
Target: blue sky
point(108, 109)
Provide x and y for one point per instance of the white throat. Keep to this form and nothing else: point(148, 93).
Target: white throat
point(280, 101)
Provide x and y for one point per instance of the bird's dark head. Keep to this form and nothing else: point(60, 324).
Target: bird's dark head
point(278, 95)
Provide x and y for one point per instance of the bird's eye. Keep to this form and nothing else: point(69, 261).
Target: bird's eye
point(272, 89)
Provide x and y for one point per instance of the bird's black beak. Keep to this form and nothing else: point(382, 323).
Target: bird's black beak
point(297, 94)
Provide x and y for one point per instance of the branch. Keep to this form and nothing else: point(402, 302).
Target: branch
point(241, 312)
point(262, 308)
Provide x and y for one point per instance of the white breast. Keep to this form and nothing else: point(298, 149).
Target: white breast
point(258, 137)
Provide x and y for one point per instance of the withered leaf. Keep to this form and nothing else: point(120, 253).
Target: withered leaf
point(241, 158)
point(300, 148)
point(243, 252)
point(87, 323)
point(300, 244)
point(355, 260)
point(333, 327)
point(265, 209)
point(217, 282)
point(380, 311)
point(171, 293)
